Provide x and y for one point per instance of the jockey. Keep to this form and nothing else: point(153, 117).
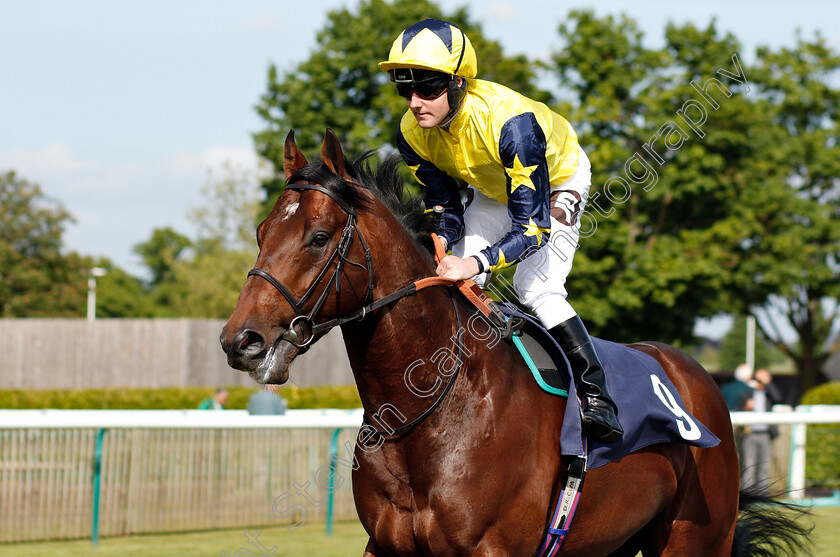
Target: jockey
point(529, 179)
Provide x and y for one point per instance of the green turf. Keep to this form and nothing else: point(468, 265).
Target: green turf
point(348, 540)
point(827, 533)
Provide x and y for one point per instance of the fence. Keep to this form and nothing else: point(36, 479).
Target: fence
point(170, 471)
point(167, 471)
point(150, 353)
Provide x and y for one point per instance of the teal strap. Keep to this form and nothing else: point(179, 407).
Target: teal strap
point(535, 372)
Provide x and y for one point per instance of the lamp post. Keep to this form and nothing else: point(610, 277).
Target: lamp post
point(91, 301)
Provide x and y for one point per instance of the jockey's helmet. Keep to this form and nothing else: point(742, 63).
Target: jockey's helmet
point(427, 57)
point(435, 45)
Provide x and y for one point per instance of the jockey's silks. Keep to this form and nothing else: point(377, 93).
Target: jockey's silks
point(510, 148)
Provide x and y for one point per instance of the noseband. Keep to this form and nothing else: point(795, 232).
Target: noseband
point(302, 329)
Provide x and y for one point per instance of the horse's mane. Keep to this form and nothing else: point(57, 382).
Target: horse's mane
point(384, 182)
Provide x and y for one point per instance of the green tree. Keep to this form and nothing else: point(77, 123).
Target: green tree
point(341, 87)
point(792, 256)
point(714, 182)
point(736, 212)
point(646, 268)
point(36, 279)
point(118, 294)
point(161, 251)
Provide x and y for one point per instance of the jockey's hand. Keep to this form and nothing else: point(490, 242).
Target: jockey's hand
point(453, 267)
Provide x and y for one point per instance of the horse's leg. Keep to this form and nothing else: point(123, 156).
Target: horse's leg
point(697, 521)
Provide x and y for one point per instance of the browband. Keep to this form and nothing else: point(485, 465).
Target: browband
point(325, 191)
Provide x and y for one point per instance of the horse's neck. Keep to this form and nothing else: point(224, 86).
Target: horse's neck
point(391, 352)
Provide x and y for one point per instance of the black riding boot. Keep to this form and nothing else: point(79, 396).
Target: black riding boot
point(599, 412)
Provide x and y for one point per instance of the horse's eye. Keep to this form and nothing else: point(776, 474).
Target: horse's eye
point(320, 239)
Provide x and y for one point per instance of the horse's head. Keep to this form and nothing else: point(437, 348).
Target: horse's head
point(313, 265)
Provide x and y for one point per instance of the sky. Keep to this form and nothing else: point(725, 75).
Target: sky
point(119, 109)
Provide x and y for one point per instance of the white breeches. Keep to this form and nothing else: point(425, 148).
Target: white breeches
point(540, 279)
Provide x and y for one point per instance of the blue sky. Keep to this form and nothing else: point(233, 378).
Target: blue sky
point(118, 109)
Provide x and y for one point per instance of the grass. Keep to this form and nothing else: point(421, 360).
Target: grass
point(348, 540)
point(827, 533)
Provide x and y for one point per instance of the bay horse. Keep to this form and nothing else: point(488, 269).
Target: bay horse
point(470, 462)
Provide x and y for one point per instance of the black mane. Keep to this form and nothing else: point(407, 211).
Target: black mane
point(384, 182)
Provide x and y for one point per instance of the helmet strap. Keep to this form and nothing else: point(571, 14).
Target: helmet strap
point(455, 94)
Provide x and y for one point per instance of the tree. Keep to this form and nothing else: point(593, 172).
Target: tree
point(120, 295)
point(722, 194)
point(161, 252)
point(36, 279)
point(792, 258)
point(647, 268)
point(341, 87)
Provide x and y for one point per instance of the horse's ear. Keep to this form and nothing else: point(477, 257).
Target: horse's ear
point(332, 155)
point(293, 158)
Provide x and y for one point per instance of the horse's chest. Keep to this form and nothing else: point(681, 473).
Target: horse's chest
point(443, 516)
point(425, 531)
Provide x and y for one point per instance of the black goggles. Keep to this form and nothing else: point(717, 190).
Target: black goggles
point(426, 84)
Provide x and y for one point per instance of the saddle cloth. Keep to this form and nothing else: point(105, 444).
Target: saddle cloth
point(650, 408)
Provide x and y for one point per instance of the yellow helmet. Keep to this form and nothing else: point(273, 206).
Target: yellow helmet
point(435, 45)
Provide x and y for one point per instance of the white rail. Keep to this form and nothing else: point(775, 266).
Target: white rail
point(785, 415)
point(178, 419)
point(327, 418)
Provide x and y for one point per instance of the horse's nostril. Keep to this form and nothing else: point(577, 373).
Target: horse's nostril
point(248, 341)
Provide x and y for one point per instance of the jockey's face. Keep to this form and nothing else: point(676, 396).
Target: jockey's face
point(429, 112)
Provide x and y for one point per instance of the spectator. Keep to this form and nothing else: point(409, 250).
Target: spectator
point(736, 392)
point(757, 441)
point(266, 401)
point(215, 402)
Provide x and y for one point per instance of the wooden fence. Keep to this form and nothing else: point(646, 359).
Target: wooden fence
point(166, 480)
point(151, 353)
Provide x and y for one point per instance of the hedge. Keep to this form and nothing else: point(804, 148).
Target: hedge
point(822, 449)
point(175, 398)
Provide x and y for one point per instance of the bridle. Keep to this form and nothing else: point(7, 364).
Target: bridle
point(302, 329)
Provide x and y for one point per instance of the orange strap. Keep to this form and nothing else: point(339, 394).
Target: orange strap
point(468, 287)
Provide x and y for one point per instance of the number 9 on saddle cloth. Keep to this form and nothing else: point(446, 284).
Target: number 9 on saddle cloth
point(650, 408)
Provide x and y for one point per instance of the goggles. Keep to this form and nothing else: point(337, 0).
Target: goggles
point(426, 84)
